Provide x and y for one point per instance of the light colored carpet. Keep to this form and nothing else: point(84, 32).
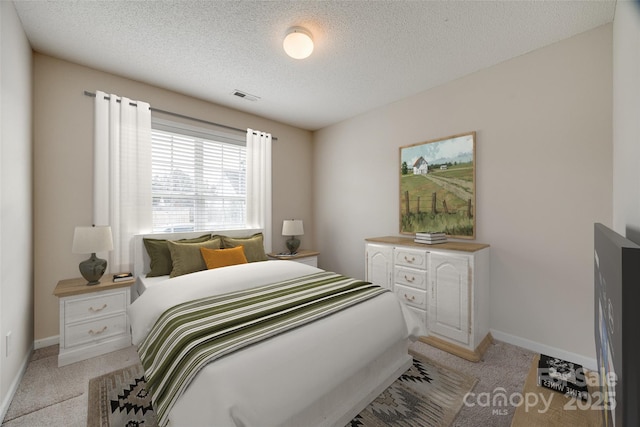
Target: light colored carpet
point(503, 370)
point(51, 396)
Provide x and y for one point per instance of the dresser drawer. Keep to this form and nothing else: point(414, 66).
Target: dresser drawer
point(95, 330)
point(410, 258)
point(411, 296)
point(89, 307)
point(422, 315)
point(411, 277)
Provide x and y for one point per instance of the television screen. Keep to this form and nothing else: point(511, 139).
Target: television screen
point(617, 326)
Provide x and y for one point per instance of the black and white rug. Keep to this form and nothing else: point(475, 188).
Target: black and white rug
point(427, 394)
point(120, 399)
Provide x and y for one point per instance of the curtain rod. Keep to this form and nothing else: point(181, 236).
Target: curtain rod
point(182, 116)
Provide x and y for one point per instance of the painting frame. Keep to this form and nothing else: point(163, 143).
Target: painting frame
point(438, 186)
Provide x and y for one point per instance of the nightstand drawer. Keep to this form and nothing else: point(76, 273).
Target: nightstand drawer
point(411, 277)
point(410, 258)
point(310, 260)
point(95, 330)
point(412, 296)
point(303, 256)
point(88, 307)
point(93, 319)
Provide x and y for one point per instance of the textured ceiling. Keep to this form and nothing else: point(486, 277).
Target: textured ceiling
point(367, 53)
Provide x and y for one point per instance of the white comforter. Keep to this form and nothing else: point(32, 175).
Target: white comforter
point(271, 383)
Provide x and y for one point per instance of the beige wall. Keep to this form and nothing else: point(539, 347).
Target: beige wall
point(626, 119)
point(63, 126)
point(543, 177)
point(16, 264)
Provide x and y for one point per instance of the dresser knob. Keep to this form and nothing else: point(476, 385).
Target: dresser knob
point(409, 279)
point(412, 298)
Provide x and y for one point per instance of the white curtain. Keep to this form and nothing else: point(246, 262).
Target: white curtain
point(122, 174)
point(259, 183)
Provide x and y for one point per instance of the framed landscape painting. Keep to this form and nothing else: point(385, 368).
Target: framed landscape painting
point(437, 186)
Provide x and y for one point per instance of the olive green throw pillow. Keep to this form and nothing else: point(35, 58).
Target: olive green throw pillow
point(160, 257)
point(253, 246)
point(187, 258)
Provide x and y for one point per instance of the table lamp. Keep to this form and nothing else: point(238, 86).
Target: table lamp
point(292, 228)
point(91, 240)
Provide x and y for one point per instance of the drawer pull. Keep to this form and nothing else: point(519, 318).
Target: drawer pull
point(92, 332)
point(410, 280)
point(412, 298)
point(409, 260)
point(96, 310)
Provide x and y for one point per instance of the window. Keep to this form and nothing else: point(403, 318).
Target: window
point(198, 178)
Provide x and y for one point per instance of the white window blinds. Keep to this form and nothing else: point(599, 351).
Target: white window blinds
point(198, 179)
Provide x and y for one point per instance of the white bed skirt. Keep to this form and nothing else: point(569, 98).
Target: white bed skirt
point(355, 393)
point(335, 408)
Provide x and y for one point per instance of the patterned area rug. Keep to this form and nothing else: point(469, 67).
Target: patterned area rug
point(427, 394)
point(119, 399)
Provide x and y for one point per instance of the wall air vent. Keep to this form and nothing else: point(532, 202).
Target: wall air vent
point(244, 95)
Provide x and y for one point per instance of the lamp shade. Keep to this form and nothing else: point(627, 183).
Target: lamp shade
point(87, 240)
point(298, 43)
point(292, 227)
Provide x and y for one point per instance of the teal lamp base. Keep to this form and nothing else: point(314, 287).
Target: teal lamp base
point(293, 244)
point(93, 269)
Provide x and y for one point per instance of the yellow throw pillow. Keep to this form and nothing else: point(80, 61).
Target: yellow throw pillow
point(215, 258)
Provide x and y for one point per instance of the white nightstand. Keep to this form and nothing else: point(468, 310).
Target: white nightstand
point(303, 256)
point(93, 319)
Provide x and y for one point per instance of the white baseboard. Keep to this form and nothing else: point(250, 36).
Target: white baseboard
point(588, 362)
point(46, 342)
point(13, 388)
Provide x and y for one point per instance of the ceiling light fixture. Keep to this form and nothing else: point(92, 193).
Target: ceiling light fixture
point(298, 43)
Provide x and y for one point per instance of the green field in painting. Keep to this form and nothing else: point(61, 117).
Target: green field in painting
point(421, 217)
point(464, 172)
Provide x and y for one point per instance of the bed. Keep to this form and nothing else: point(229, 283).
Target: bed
point(321, 373)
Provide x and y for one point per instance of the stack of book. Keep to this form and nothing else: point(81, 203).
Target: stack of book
point(430, 238)
point(562, 376)
point(122, 277)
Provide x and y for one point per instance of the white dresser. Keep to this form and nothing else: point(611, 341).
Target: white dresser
point(93, 319)
point(446, 284)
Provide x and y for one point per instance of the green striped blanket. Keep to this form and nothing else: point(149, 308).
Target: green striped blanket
point(188, 336)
